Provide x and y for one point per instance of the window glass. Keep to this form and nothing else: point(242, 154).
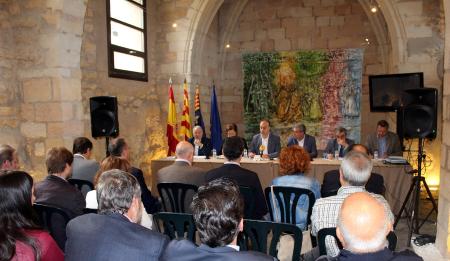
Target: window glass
point(128, 62)
point(127, 12)
point(127, 37)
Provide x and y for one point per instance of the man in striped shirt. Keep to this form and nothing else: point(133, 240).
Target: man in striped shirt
point(354, 173)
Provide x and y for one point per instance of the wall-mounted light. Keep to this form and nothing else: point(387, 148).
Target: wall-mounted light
point(174, 25)
point(373, 7)
point(227, 46)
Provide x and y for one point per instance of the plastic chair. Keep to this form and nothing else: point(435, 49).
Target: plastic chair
point(175, 225)
point(331, 231)
point(287, 206)
point(256, 233)
point(248, 193)
point(174, 197)
point(54, 220)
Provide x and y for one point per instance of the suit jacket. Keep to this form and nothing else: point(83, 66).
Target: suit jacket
point(187, 251)
point(273, 147)
point(243, 177)
point(243, 141)
point(151, 203)
point(207, 147)
point(181, 172)
point(393, 147)
point(111, 237)
point(333, 146)
point(331, 183)
point(309, 144)
point(83, 168)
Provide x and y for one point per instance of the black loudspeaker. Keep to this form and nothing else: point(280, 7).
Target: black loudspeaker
point(419, 114)
point(104, 116)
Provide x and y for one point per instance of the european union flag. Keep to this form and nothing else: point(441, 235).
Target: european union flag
point(216, 127)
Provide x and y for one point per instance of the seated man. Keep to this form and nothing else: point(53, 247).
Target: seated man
point(119, 148)
point(331, 182)
point(265, 143)
point(354, 173)
point(232, 150)
point(113, 234)
point(218, 214)
point(363, 225)
point(384, 142)
point(8, 158)
point(202, 145)
point(83, 167)
point(304, 140)
point(339, 143)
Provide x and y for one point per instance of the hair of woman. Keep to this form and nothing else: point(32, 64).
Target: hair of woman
point(112, 162)
point(294, 160)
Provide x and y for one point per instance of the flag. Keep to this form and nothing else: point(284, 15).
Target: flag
point(198, 112)
point(172, 140)
point(185, 117)
point(216, 127)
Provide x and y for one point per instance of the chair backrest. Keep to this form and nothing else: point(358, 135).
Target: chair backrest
point(54, 220)
point(248, 193)
point(174, 196)
point(82, 185)
point(90, 210)
point(175, 225)
point(256, 234)
point(331, 231)
point(287, 198)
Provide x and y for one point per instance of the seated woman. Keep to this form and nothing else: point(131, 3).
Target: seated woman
point(231, 131)
point(294, 162)
point(21, 238)
point(113, 162)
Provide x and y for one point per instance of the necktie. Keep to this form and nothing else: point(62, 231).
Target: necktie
point(341, 151)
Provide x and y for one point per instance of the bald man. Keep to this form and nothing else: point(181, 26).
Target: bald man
point(363, 225)
point(182, 171)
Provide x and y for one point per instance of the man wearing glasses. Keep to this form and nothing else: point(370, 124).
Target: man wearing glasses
point(340, 143)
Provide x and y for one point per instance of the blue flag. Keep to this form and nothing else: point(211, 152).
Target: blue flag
point(216, 127)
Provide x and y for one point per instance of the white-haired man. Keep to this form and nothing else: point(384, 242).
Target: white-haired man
point(202, 145)
point(353, 174)
point(363, 225)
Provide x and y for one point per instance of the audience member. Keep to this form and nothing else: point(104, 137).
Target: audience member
point(21, 238)
point(294, 162)
point(363, 225)
point(303, 140)
point(113, 233)
point(384, 142)
point(232, 150)
point(265, 143)
point(202, 144)
point(354, 173)
point(231, 130)
point(182, 171)
point(110, 163)
point(118, 147)
point(218, 214)
point(8, 158)
point(331, 182)
point(339, 143)
point(83, 167)
point(54, 189)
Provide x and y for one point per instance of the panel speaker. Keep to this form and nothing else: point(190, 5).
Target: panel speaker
point(419, 115)
point(104, 116)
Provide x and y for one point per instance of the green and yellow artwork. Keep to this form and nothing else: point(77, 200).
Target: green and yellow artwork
point(321, 89)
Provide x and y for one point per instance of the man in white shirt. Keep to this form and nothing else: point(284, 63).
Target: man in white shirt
point(265, 143)
point(300, 138)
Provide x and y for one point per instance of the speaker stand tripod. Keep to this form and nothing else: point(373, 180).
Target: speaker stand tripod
point(413, 197)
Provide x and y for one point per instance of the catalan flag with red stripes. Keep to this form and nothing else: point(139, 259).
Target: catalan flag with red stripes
point(185, 117)
point(198, 112)
point(172, 139)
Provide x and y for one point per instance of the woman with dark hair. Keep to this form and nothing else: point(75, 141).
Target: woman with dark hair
point(231, 131)
point(20, 237)
point(294, 162)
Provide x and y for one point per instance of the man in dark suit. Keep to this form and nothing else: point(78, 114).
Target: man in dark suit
point(386, 143)
point(119, 148)
point(83, 167)
point(265, 143)
point(54, 190)
point(202, 145)
point(304, 140)
point(8, 158)
point(218, 215)
point(113, 234)
point(339, 143)
point(182, 171)
point(232, 150)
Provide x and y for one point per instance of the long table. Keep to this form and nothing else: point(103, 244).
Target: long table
point(396, 178)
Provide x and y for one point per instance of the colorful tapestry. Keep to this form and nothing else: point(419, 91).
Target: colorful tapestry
point(321, 89)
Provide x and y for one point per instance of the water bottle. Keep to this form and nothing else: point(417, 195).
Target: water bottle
point(196, 148)
point(245, 153)
point(336, 154)
point(214, 153)
point(375, 154)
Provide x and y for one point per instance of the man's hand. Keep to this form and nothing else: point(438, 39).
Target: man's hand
point(251, 154)
point(265, 156)
point(198, 143)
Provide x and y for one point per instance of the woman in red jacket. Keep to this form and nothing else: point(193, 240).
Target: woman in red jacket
point(21, 238)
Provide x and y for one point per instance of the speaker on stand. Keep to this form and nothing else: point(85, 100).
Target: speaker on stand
point(104, 117)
